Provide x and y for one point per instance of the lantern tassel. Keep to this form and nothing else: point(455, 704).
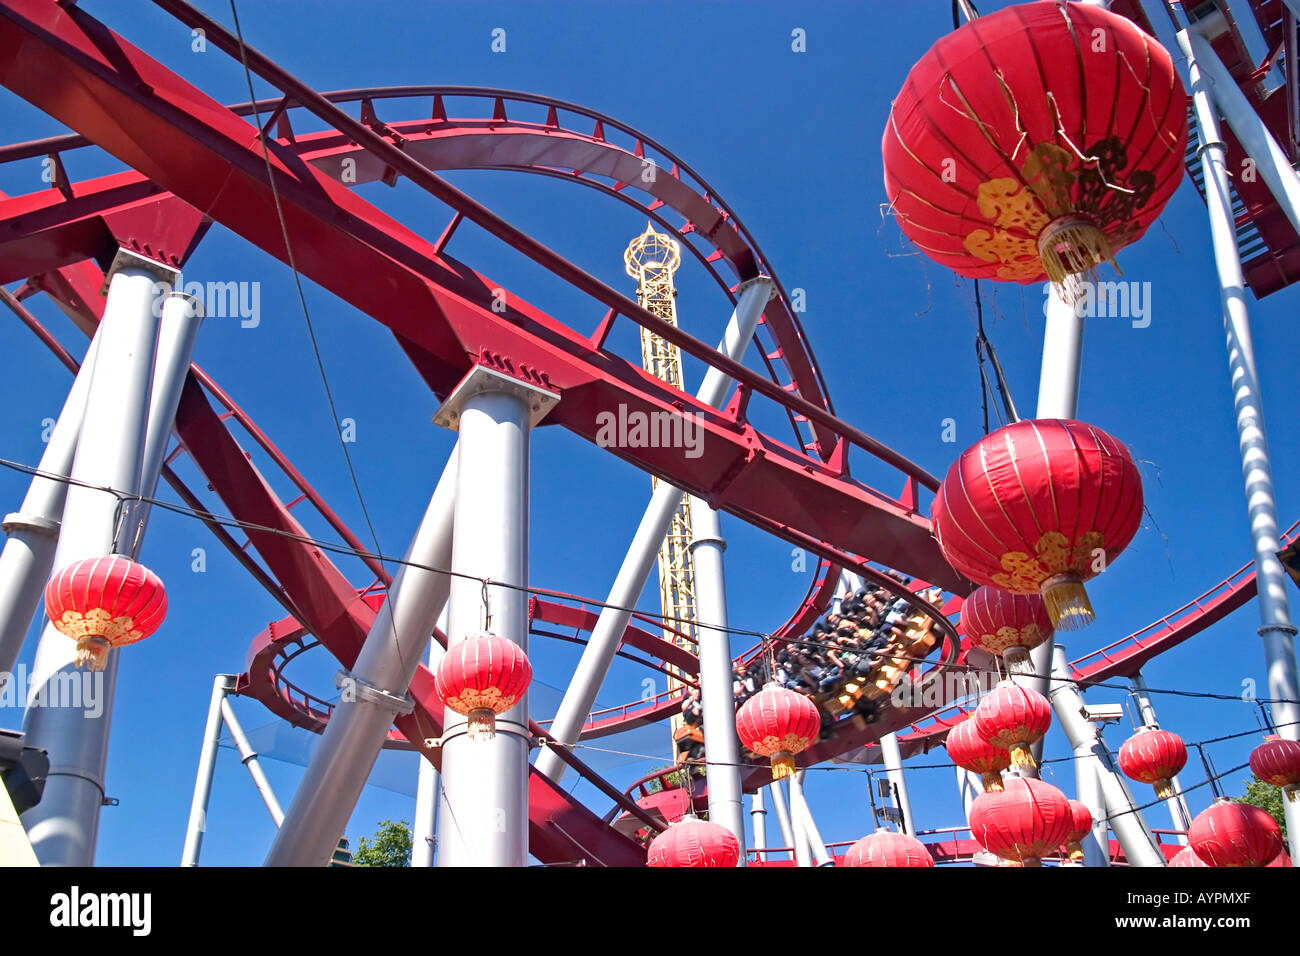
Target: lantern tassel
point(1075, 850)
point(1164, 788)
point(1017, 660)
point(782, 766)
point(1031, 861)
point(1067, 602)
point(992, 782)
point(1022, 756)
point(1072, 246)
point(93, 651)
point(482, 724)
point(1292, 793)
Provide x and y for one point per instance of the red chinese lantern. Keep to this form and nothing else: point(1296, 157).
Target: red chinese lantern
point(694, 842)
point(1080, 827)
point(778, 723)
point(1282, 859)
point(480, 677)
point(1004, 624)
point(887, 848)
point(103, 603)
point(1153, 756)
point(1035, 142)
point(1277, 761)
point(972, 752)
point(1022, 823)
point(1187, 857)
point(1235, 834)
point(1013, 718)
point(1039, 507)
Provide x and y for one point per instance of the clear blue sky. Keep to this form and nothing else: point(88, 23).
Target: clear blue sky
point(791, 141)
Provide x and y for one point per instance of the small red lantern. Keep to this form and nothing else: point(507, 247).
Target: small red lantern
point(1277, 761)
point(103, 603)
point(778, 723)
point(1013, 718)
point(694, 842)
point(1034, 142)
point(1235, 834)
point(1153, 756)
point(887, 848)
point(1080, 827)
point(1006, 625)
point(480, 677)
point(1187, 857)
point(1282, 859)
point(972, 752)
point(1022, 823)
point(1040, 507)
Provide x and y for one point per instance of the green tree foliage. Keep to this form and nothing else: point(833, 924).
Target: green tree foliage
point(1268, 798)
point(390, 846)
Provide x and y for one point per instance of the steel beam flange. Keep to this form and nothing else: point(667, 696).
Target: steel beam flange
point(372, 694)
point(772, 293)
point(481, 379)
point(126, 259)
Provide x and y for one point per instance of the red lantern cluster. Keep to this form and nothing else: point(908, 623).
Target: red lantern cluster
point(1034, 142)
point(1235, 834)
point(102, 603)
point(694, 842)
point(778, 723)
point(1022, 823)
point(1039, 507)
point(1080, 827)
point(1004, 624)
point(1277, 761)
point(972, 752)
point(887, 848)
point(1013, 718)
point(480, 677)
point(1153, 756)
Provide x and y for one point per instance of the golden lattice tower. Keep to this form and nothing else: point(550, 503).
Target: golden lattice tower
point(652, 258)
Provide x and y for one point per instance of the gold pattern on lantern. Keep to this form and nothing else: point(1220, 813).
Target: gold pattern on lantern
point(489, 698)
point(97, 623)
point(1053, 555)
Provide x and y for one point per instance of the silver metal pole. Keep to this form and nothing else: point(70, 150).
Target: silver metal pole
point(424, 828)
point(803, 819)
point(484, 807)
point(374, 692)
point(63, 826)
point(607, 635)
point(758, 820)
point(33, 531)
point(1270, 159)
point(893, 760)
point(248, 757)
point(783, 821)
point(717, 698)
point(1179, 813)
point(1096, 845)
point(1139, 844)
point(970, 786)
point(222, 684)
point(1276, 627)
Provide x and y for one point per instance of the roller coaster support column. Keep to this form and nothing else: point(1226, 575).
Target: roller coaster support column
point(1179, 812)
point(1139, 844)
point(222, 685)
point(607, 635)
point(758, 819)
point(1096, 845)
point(717, 698)
point(969, 786)
point(110, 453)
point(424, 829)
point(248, 757)
point(484, 806)
point(804, 823)
point(782, 815)
point(33, 531)
point(892, 758)
point(374, 692)
point(1276, 627)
